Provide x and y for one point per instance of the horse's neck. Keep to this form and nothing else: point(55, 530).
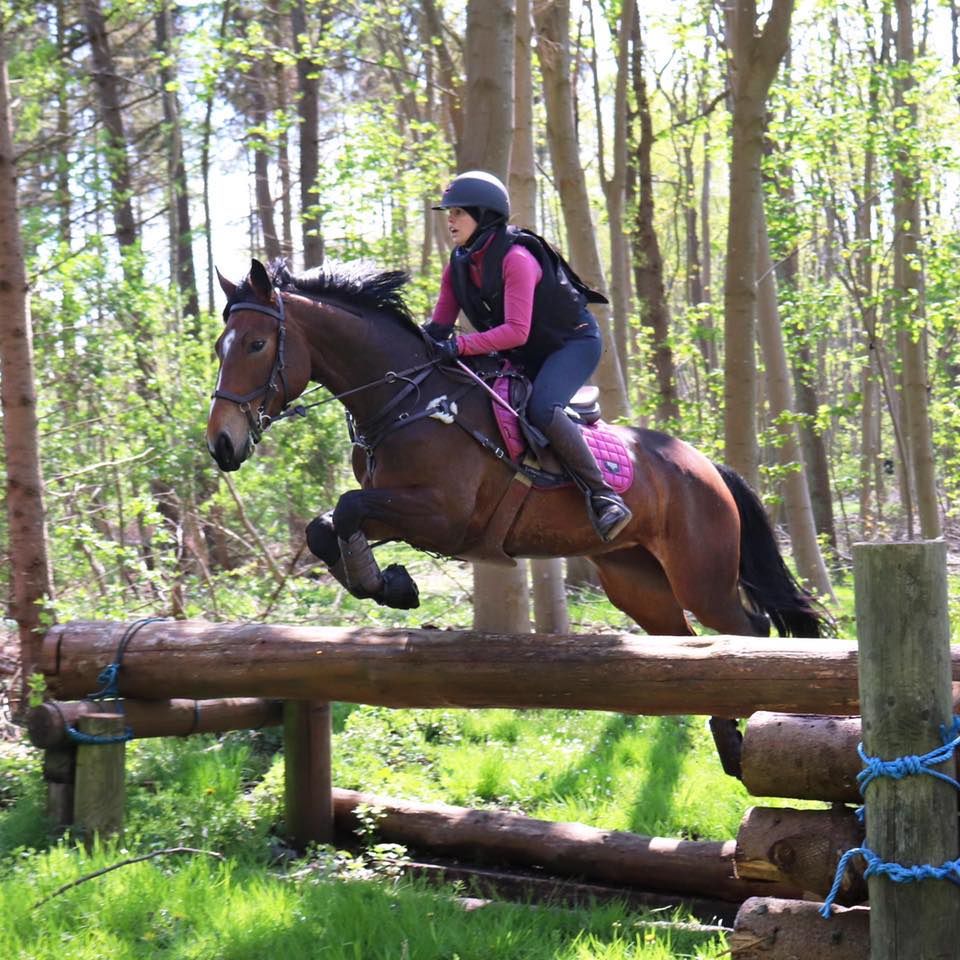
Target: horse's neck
point(350, 352)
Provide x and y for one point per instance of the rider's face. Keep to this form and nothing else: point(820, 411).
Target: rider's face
point(460, 224)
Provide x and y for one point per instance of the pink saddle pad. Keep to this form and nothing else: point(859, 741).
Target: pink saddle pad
point(607, 448)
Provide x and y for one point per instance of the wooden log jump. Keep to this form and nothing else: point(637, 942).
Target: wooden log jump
point(718, 675)
point(47, 723)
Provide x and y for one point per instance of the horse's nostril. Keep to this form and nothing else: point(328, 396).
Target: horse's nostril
point(224, 450)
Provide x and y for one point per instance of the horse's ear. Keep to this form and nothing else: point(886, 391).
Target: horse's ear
point(225, 285)
point(259, 280)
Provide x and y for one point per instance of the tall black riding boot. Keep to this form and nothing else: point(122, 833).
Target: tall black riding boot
point(610, 513)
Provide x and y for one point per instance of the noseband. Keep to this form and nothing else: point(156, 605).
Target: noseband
point(262, 420)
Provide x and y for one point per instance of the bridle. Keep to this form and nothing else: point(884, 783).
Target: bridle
point(262, 420)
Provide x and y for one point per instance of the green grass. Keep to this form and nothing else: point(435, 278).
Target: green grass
point(203, 910)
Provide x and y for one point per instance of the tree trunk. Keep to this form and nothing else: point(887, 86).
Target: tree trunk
point(27, 532)
point(756, 59)
point(908, 283)
point(488, 100)
point(261, 164)
point(648, 261)
point(181, 239)
point(308, 110)
point(449, 74)
point(614, 186)
point(803, 534)
point(106, 80)
point(546, 575)
point(552, 20)
point(500, 593)
point(523, 176)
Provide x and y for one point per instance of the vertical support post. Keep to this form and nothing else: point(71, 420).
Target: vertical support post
point(99, 795)
point(904, 640)
point(307, 755)
point(60, 776)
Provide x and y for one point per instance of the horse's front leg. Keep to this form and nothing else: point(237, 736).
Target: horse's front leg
point(339, 540)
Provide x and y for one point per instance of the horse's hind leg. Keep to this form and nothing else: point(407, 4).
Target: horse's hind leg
point(636, 583)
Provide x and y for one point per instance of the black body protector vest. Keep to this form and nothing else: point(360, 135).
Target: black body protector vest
point(558, 301)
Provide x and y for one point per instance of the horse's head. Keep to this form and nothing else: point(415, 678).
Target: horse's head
point(259, 373)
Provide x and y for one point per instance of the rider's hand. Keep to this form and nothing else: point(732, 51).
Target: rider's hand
point(437, 331)
point(446, 350)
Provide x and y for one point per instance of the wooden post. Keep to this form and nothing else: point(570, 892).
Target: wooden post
point(904, 639)
point(99, 796)
point(60, 776)
point(307, 732)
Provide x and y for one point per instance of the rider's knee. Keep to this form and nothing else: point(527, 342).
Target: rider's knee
point(540, 412)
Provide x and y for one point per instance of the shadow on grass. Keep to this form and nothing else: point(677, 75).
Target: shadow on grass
point(653, 804)
point(595, 764)
point(666, 741)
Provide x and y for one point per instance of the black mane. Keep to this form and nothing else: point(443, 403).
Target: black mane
point(360, 282)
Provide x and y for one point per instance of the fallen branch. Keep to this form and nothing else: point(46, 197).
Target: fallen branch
point(123, 863)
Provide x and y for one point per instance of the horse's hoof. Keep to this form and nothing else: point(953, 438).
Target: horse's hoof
point(399, 591)
point(729, 743)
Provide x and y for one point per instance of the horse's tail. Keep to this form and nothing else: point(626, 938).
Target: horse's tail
point(764, 576)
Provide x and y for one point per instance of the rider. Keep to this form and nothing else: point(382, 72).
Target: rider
point(523, 300)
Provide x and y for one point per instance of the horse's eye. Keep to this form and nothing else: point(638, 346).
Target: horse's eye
point(257, 346)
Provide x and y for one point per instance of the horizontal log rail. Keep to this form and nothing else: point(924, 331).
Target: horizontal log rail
point(689, 867)
point(47, 723)
point(717, 675)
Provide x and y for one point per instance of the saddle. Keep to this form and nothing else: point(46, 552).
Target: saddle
point(526, 449)
point(526, 445)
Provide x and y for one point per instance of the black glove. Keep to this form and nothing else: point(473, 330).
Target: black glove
point(437, 331)
point(446, 350)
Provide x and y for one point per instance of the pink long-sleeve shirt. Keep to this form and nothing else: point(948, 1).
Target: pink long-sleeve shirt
point(521, 274)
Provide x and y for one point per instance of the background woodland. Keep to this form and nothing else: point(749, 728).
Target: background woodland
point(768, 194)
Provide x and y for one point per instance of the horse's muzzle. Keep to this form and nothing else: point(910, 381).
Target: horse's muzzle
point(229, 459)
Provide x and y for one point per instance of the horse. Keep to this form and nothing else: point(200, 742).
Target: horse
point(431, 472)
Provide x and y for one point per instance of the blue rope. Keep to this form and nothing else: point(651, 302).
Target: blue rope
point(78, 736)
point(898, 769)
point(895, 871)
point(908, 766)
point(110, 678)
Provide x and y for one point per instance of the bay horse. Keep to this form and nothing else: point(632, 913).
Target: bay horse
point(431, 472)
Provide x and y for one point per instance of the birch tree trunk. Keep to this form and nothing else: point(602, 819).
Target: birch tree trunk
point(756, 58)
point(796, 495)
point(552, 21)
point(29, 563)
point(908, 284)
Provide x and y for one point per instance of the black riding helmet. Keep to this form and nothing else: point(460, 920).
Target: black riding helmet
point(477, 190)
